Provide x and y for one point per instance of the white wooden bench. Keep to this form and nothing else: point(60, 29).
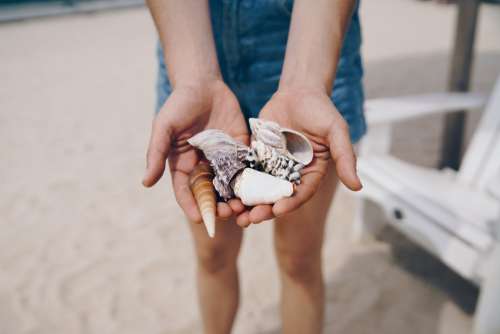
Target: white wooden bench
point(454, 215)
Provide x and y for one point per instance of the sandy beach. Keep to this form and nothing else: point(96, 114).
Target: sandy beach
point(85, 249)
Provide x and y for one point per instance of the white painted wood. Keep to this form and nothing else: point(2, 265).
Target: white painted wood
point(358, 231)
point(462, 201)
point(424, 231)
point(377, 140)
point(487, 319)
point(455, 216)
point(492, 169)
point(367, 221)
point(404, 186)
point(493, 187)
point(481, 146)
point(390, 110)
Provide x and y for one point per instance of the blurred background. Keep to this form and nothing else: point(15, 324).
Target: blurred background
point(84, 248)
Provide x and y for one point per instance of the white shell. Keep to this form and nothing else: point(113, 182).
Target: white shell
point(267, 132)
point(299, 148)
point(254, 187)
point(208, 218)
point(212, 141)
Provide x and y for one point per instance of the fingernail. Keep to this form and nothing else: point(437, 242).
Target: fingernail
point(359, 180)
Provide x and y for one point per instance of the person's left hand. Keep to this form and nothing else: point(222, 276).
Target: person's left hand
point(313, 114)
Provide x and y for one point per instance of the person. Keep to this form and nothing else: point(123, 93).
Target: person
point(295, 63)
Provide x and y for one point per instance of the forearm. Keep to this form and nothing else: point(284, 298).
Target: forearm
point(314, 43)
point(186, 36)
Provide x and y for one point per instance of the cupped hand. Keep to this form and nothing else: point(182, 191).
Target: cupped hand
point(187, 111)
point(313, 114)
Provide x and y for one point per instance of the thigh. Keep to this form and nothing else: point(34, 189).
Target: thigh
point(301, 231)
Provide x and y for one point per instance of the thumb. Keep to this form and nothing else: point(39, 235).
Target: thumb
point(343, 155)
point(159, 147)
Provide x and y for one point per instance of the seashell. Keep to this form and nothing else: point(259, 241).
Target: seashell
point(212, 141)
point(298, 146)
point(287, 141)
point(226, 155)
point(254, 187)
point(267, 132)
point(200, 183)
point(272, 161)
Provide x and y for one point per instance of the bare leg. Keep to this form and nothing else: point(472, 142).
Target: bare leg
point(298, 244)
point(217, 275)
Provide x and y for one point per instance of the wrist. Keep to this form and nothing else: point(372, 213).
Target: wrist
point(203, 90)
point(305, 71)
point(301, 90)
point(199, 83)
point(303, 80)
point(195, 78)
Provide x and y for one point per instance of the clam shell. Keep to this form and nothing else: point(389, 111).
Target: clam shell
point(298, 146)
point(254, 187)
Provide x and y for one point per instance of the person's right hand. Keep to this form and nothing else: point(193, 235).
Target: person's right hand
point(187, 111)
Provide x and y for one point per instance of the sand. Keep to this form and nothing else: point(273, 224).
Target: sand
point(85, 249)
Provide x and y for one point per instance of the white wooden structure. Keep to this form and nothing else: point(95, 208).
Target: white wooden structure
point(454, 215)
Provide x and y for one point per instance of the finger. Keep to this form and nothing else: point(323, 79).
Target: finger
point(343, 154)
point(159, 146)
point(243, 219)
point(184, 196)
point(303, 192)
point(260, 213)
point(236, 206)
point(224, 210)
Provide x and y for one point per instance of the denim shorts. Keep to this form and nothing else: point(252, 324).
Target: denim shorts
point(250, 38)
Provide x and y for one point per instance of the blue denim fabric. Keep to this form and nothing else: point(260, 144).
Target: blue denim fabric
point(250, 38)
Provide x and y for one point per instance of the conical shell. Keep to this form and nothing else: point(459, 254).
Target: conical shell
point(200, 182)
point(254, 187)
point(298, 146)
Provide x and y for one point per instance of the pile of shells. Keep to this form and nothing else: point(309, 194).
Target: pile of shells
point(263, 173)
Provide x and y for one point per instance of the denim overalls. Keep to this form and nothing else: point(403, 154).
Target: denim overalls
point(250, 38)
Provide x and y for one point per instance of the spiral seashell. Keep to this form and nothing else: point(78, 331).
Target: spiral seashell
point(200, 183)
point(298, 147)
point(272, 161)
point(288, 142)
point(267, 132)
point(254, 187)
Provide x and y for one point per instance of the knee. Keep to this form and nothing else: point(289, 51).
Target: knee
point(300, 267)
point(216, 258)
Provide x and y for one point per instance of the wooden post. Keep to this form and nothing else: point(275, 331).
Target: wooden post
point(460, 73)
